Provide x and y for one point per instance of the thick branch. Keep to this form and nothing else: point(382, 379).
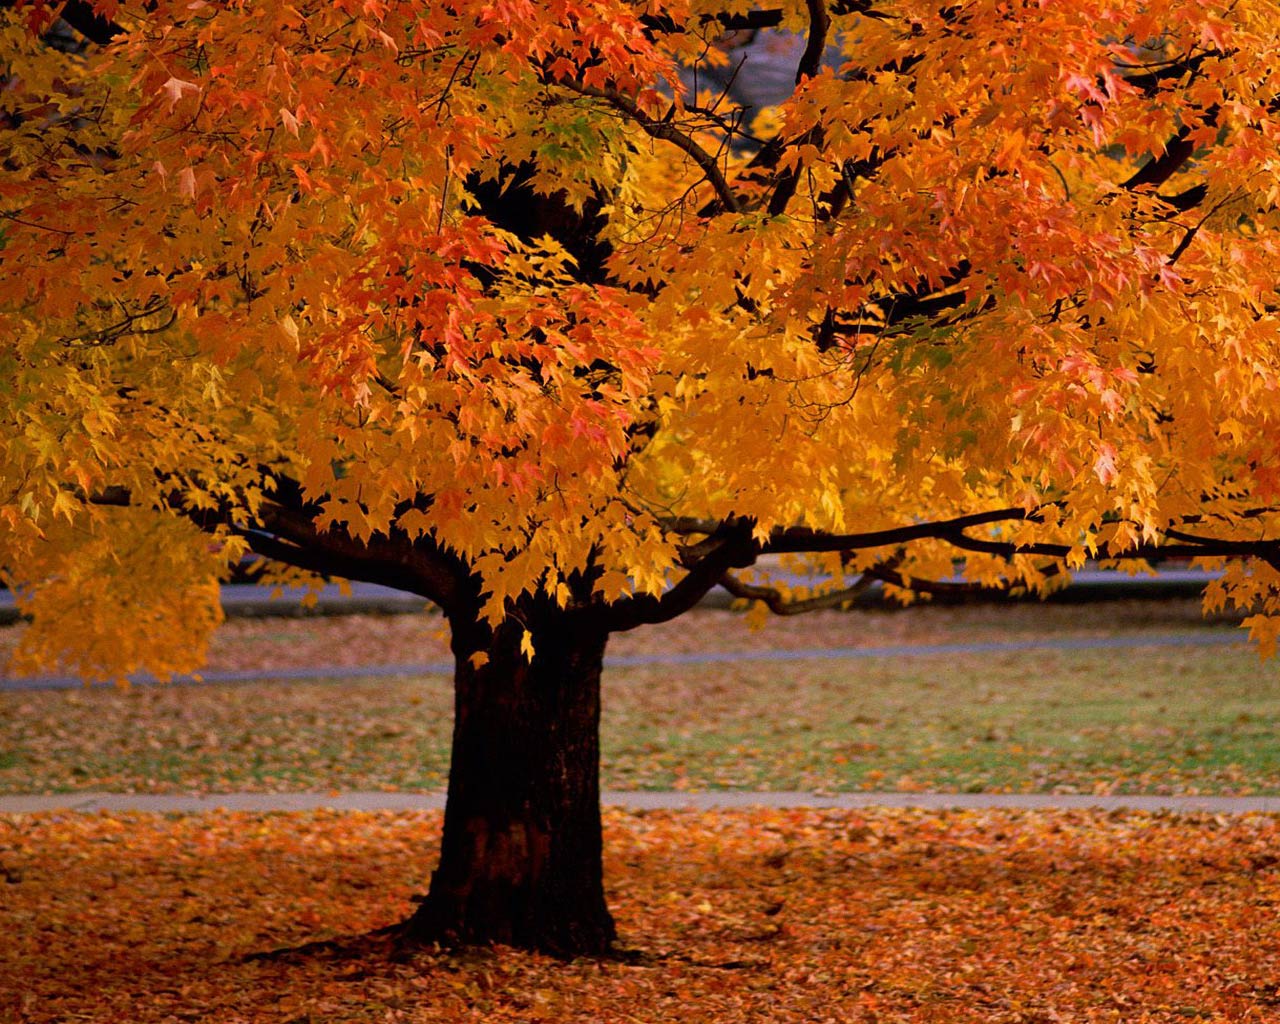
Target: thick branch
point(285, 531)
point(1153, 79)
point(79, 14)
point(1177, 152)
point(732, 549)
point(271, 547)
point(802, 539)
point(816, 45)
point(418, 567)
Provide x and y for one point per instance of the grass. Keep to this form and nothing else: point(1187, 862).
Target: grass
point(1177, 720)
point(1146, 720)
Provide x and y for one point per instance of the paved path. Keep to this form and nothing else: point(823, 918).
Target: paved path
point(1193, 638)
point(721, 800)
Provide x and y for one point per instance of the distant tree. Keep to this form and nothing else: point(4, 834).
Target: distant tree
point(471, 299)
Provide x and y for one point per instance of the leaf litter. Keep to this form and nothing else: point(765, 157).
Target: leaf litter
point(752, 915)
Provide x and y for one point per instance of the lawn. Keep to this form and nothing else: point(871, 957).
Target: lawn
point(778, 916)
point(1149, 719)
point(744, 916)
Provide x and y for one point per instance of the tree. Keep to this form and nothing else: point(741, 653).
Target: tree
point(471, 300)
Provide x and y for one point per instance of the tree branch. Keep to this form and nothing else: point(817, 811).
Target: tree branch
point(285, 530)
point(1177, 151)
point(961, 540)
point(1150, 81)
point(664, 130)
point(732, 548)
point(758, 19)
point(1259, 548)
point(948, 588)
point(802, 539)
point(779, 605)
point(79, 14)
point(816, 44)
point(394, 560)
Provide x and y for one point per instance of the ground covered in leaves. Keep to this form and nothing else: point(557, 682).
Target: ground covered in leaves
point(1158, 719)
point(775, 916)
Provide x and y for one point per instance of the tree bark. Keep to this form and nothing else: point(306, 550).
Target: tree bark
point(520, 860)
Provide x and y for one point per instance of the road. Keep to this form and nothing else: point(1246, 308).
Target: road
point(432, 668)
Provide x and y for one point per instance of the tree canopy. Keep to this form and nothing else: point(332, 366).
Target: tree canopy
point(497, 302)
point(997, 284)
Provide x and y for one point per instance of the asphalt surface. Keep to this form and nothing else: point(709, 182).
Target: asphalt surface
point(445, 668)
point(88, 802)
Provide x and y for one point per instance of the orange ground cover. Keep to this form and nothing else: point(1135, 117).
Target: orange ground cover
point(744, 916)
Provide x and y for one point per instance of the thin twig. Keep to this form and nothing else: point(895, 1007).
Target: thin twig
point(664, 130)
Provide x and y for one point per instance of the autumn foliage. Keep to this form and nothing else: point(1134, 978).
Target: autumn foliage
point(478, 300)
point(1013, 257)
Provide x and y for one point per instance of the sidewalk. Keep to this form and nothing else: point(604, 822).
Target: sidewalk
point(638, 800)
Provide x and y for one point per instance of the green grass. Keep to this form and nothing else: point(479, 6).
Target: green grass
point(1146, 720)
point(1171, 719)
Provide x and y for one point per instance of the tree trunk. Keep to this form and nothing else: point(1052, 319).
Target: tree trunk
point(520, 860)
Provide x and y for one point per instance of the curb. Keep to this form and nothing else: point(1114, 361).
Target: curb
point(92, 802)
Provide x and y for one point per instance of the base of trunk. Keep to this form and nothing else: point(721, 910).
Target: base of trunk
point(521, 858)
point(437, 923)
